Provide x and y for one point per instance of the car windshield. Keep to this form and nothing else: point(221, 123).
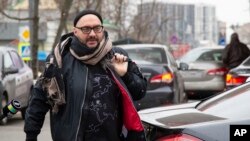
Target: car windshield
point(147, 55)
point(202, 55)
point(232, 104)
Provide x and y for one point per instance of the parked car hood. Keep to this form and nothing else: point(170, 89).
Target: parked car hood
point(176, 116)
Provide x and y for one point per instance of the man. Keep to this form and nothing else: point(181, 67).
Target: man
point(89, 87)
point(235, 52)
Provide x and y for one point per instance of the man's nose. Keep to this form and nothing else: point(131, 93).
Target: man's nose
point(92, 33)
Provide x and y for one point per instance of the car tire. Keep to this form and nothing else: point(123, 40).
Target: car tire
point(184, 98)
point(176, 94)
point(175, 99)
point(4, 102)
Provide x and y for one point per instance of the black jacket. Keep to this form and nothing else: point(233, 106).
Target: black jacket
point(65, 125)
point(233, 55)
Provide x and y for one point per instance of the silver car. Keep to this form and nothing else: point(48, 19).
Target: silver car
point(206, 120)
point(239, 75)
point(16, 80)
point(202, 70)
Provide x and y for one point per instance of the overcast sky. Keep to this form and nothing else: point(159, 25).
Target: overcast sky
point(229, 11)
point(232, 11)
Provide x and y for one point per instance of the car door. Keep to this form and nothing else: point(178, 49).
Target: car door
point(178, 81)
point(22, 86)
point(9, 81)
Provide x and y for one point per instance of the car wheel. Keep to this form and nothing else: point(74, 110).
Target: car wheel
point(4, 102)
point(184, 98)
point(176, 96)
point(177, 93)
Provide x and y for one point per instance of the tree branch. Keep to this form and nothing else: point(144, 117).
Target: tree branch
point(14, 18)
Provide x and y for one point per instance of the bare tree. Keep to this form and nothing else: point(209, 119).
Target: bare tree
point(63, 20)
point(154, 37)
point(113, 11)
point(87, 4)
point(34, 20)
point(142, 23)
point(4, 4)
point(150, 22)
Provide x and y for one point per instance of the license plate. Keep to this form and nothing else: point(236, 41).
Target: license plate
point(192, 74)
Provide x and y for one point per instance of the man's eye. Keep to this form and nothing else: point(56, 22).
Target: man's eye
point(97, 28)
point(85, 29)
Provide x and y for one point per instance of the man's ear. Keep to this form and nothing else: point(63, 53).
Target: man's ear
point(74, 31)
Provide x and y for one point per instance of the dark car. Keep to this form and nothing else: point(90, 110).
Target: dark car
point(165, 84)
point(238, 75)
point(16, 80)
point(203, 71)
point(207, 120)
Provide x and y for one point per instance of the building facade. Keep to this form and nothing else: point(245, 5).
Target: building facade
point(182, 22)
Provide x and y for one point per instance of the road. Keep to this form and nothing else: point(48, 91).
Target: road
point(13, 131)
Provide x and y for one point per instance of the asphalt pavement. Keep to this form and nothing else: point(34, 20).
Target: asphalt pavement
point(13, 131)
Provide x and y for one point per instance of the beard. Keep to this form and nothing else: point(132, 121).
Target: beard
point(92, 40)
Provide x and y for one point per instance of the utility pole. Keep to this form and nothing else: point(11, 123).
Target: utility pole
point(34, 26)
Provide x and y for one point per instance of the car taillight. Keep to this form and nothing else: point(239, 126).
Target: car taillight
point(179, 137)
point(219, 71)
point(165, 77)
point(235, 80)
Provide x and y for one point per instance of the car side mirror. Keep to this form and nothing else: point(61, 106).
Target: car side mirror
point(183, 66)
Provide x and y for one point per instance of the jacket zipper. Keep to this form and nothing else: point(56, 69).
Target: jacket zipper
point(82, 106)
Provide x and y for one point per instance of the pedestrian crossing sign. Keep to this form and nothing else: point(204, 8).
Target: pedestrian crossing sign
point(24, 51)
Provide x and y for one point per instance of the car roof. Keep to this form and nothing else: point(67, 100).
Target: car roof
point(209, 47)
point(142, 46)
point(5, 48)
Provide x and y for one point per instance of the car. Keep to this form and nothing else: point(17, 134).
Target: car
point(203, 71)
point(238, 75)
point(16, 80)
point(205, 120)
point(164, 81)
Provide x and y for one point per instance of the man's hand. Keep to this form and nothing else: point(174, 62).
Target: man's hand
point(120, 63)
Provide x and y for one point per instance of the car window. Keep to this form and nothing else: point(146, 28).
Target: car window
point(211, 56)
point(171, 59)
point(153, 55)
point(247, 62)
point(232, 104)
point(16, 59)
point(206, 56)
point(8, 61)
point(217, 55)
point(202, 55)
point(192, 55)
